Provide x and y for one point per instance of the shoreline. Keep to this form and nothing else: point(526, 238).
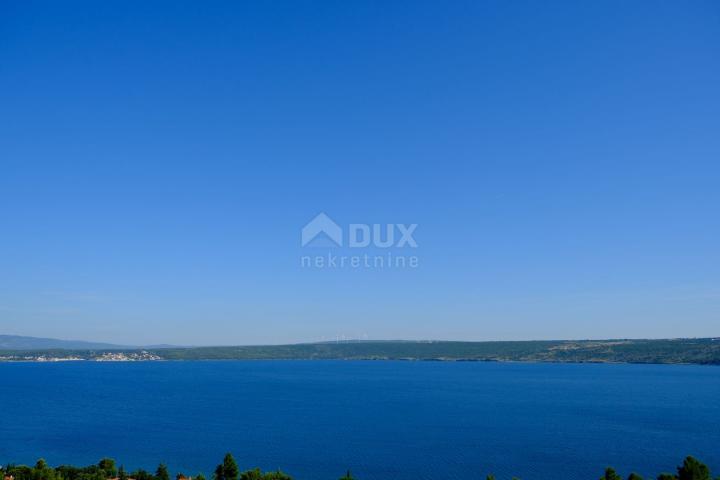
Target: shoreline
point(403, 360)
point(699, 351)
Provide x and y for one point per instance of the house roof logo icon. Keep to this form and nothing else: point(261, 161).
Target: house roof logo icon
point(321, 231)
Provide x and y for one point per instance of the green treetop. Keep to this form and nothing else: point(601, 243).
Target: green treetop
point(230, 468)
point(107, 465)
point(692, 469)
point(162, 472)
point(610, 474)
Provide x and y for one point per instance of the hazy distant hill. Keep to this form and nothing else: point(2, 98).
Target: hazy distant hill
point(16, 342)
point(680, 350)
point(688, 350)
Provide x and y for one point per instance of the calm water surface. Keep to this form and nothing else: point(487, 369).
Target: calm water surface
point(383, 420)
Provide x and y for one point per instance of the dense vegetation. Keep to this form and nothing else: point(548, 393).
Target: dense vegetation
point(106, 469)
point(691, 469)
point(698, 351)
point(703, 351)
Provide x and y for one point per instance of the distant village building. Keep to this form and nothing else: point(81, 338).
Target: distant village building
point(180, 476)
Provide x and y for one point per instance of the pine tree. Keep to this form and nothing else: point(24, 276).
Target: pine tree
point(692, 469)
point(219, 475)
point(610, 474)
point(162, 472)
point(230, 468)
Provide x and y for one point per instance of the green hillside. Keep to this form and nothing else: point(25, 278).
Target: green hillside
point(697, 351)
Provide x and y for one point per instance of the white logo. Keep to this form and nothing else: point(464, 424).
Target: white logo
point(381, 236)
point(322, 232)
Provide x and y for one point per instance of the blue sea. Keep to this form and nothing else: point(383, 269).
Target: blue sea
point(382, 420)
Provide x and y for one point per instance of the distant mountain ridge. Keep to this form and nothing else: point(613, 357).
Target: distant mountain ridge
point(18, 342)
point(679, 350)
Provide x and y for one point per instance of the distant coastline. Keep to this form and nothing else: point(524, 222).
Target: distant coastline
point(704, 351)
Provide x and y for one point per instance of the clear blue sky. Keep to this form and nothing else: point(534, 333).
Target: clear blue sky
point(158, 160)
